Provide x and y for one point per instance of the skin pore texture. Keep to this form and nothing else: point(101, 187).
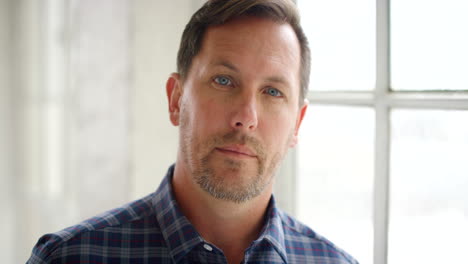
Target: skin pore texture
point(238, 111)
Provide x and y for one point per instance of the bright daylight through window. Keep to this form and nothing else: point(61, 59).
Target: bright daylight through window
point(382, 160)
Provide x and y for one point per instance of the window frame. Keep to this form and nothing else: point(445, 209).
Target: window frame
point(382, 99)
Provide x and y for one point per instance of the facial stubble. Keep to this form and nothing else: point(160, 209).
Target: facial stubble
point(199, 158)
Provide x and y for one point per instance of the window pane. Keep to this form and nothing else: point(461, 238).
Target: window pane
point(429, 41)
point(335, 177)
point(429, 183)
point(342, 40)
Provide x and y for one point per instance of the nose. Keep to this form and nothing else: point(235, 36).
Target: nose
point(244, 115)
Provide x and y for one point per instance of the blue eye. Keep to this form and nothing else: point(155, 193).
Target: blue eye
point(273, 92)
point(221, 80)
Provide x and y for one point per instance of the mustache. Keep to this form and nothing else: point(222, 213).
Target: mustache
point(236, 137)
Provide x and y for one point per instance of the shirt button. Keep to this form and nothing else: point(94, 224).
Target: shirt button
point(207, 247)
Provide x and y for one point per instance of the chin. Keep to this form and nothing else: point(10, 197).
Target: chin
point(237, 168)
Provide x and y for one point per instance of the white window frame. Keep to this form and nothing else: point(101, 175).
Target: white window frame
point(382, 99)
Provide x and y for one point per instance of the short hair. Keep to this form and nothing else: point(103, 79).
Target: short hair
point(217, 12)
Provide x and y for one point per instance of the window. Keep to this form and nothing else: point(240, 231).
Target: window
point(382, 160)
point(330, 137)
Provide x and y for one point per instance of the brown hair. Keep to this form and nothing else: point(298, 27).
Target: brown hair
point(217, 12)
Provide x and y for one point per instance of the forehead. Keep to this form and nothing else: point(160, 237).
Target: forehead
point(269, 47)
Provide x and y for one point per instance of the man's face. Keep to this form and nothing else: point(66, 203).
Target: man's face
point(238, 107)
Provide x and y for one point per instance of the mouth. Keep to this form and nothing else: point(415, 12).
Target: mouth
point(240, 151)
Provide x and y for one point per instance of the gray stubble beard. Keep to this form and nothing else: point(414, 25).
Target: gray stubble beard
point(214, 184)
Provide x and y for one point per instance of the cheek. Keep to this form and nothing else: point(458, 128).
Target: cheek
point(282, 118)
point(277, 129)
point(208, 115)
point(217, 108)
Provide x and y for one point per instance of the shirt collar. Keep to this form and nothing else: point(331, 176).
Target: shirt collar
point(273, 231)
point(181, 236)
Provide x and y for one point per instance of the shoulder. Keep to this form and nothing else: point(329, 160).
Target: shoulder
point(126, 224)
point(302, 244)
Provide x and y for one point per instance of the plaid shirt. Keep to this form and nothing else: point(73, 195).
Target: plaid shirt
point(154, 230)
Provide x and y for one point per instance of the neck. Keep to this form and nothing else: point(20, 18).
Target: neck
point(230, 226)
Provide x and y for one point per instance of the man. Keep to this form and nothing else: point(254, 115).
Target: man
point(238, 98)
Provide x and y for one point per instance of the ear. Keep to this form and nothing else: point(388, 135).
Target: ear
point(174, 93)
point(300, 117)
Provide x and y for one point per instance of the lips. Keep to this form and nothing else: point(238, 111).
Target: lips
point(237, 150)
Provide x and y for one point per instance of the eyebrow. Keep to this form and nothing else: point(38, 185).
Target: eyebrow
point(277, 79)
point(273, 79)
point(226, 64)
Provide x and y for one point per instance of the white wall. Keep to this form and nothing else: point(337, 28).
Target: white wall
point(26, 85)
point(6, 134)
point(99, 78)
point(158, 27)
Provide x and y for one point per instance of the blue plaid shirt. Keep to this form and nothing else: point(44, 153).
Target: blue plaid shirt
point(154, 230)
